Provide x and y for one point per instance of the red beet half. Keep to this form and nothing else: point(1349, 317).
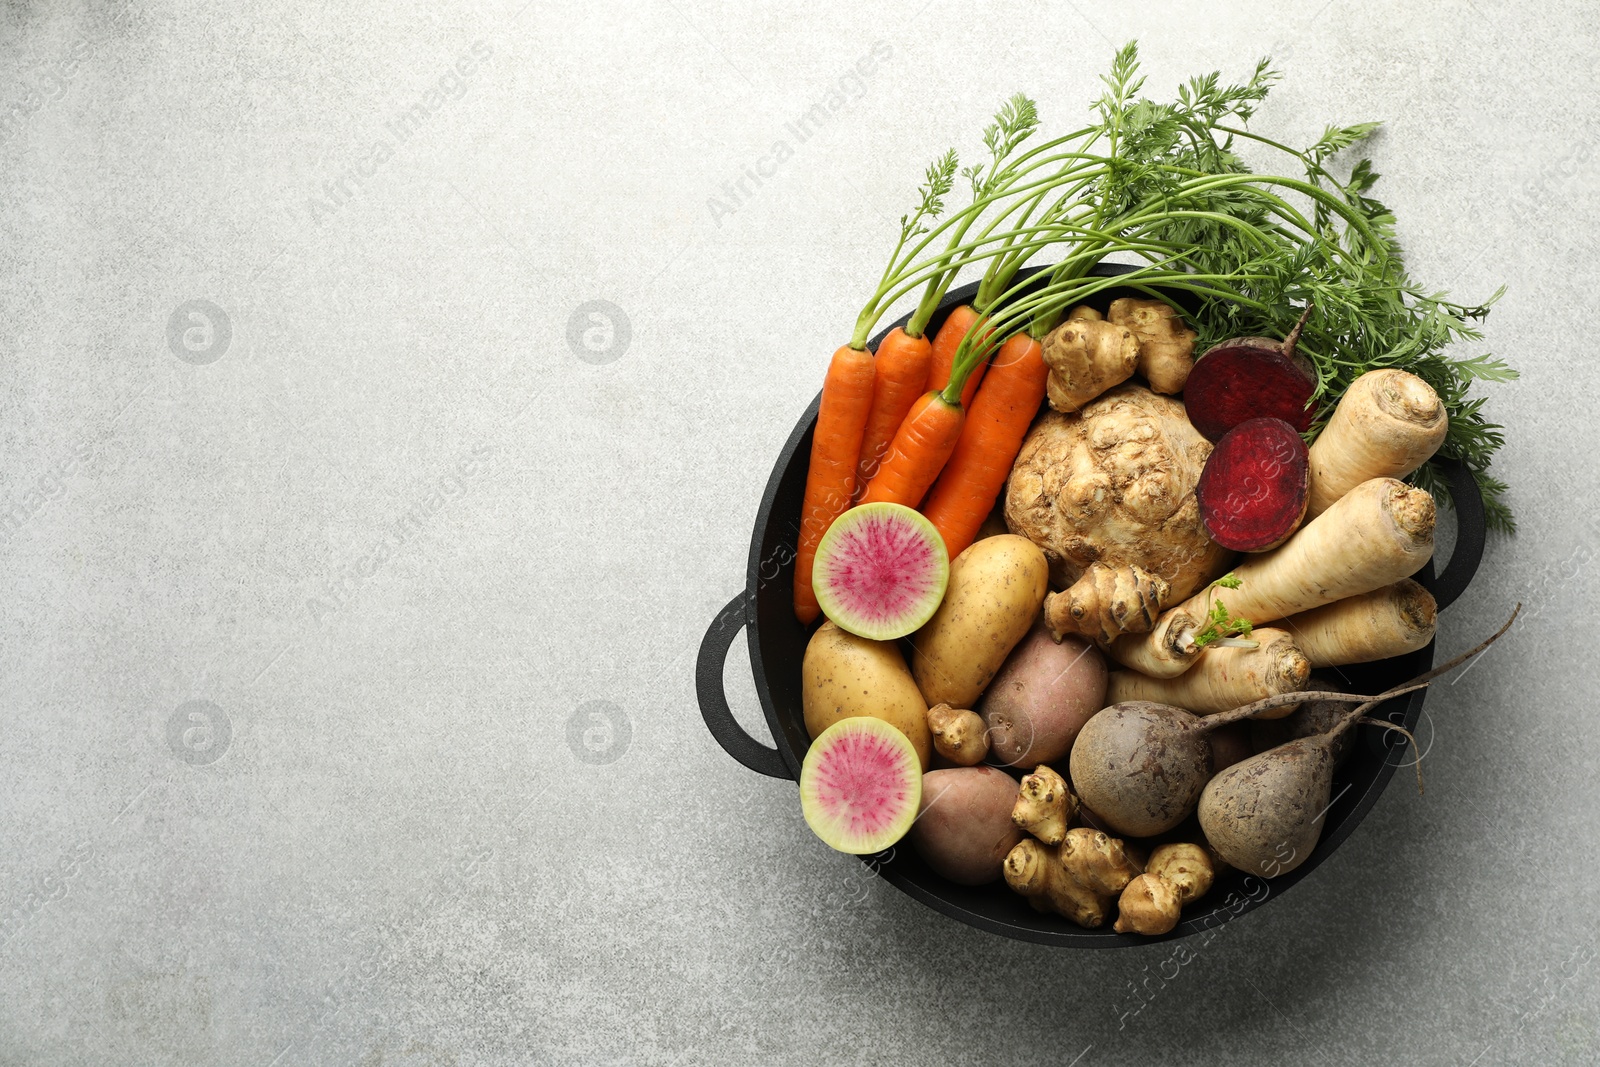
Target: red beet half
point(1254, 488)
point(1248, 378)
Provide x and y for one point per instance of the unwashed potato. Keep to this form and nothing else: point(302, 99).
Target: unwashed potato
point(964, 828)
point(844, 675)
point(996, 587)
point(1041, 698)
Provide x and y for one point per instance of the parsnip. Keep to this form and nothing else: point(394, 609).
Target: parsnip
point(1391, 621)
point(1224, 678)
point(1387, 424)
point(1379, 532)
point(1166, 651)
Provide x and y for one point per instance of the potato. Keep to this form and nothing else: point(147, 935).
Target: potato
point(964, 828)
point(996, 587)
point(1042, 697)
point(843, 676)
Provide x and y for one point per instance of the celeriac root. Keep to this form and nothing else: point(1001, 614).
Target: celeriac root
point(959, 736)
point(1044, 807)
point(1107, 602)
point(1391, 621)
point(1166, 345)
point(1224, 678)
point(1086, 356)
point(1387, 424)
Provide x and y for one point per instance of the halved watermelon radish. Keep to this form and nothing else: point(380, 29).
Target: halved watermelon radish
point(880, 571)
point(860, 785)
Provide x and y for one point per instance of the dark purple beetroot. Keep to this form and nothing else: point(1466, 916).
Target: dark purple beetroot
point(1255, 486)
point(1248, 378)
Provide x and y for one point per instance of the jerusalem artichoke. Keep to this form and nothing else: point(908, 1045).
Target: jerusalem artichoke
point(1166, 345)
point(1044, 806)
point(1086, 356)
point(1077, 879)
point(959, 736)
point(1106, 602)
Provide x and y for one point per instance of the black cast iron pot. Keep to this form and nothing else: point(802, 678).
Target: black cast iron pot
point(778, 643)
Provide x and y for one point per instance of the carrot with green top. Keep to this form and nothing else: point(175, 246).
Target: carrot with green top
point(835, 450)
point(921, 445)
point(900, 372)
point(995, 427)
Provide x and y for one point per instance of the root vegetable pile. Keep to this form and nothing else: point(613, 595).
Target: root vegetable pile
point(1128, 657)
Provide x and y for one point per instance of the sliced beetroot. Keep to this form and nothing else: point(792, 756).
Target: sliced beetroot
point(881, 571)
point(1254, 488)
point(1249, 378)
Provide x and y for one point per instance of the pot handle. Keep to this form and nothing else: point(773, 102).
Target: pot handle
point(1471, 530)
point(714, 702)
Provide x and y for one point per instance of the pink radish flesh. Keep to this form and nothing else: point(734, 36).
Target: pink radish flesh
point(860, 785)
point(880, 571)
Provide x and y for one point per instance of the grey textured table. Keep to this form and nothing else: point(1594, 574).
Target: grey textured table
point(355, 562)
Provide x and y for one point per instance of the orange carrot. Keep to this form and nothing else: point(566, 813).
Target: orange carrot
point(945, 343)
point(921, 445)
point(835, 451)
point(995, 426)
point(900, 369)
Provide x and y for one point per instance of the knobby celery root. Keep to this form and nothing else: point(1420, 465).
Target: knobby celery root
point(1044, 806)
point(1224, 678)
point(1086, 356)
point(1107, 602)
point(1387, 424)
point(1376, 534)
point(1077, 879)
point(1386, 622)
point(1166, 345)
point(1115, 484)
point(959, 736)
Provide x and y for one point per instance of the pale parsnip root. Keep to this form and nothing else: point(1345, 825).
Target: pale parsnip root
point(1166, 651)
point(1376, 534)
point(1387, 424)
point(1224, 678)
point(1391, 621)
